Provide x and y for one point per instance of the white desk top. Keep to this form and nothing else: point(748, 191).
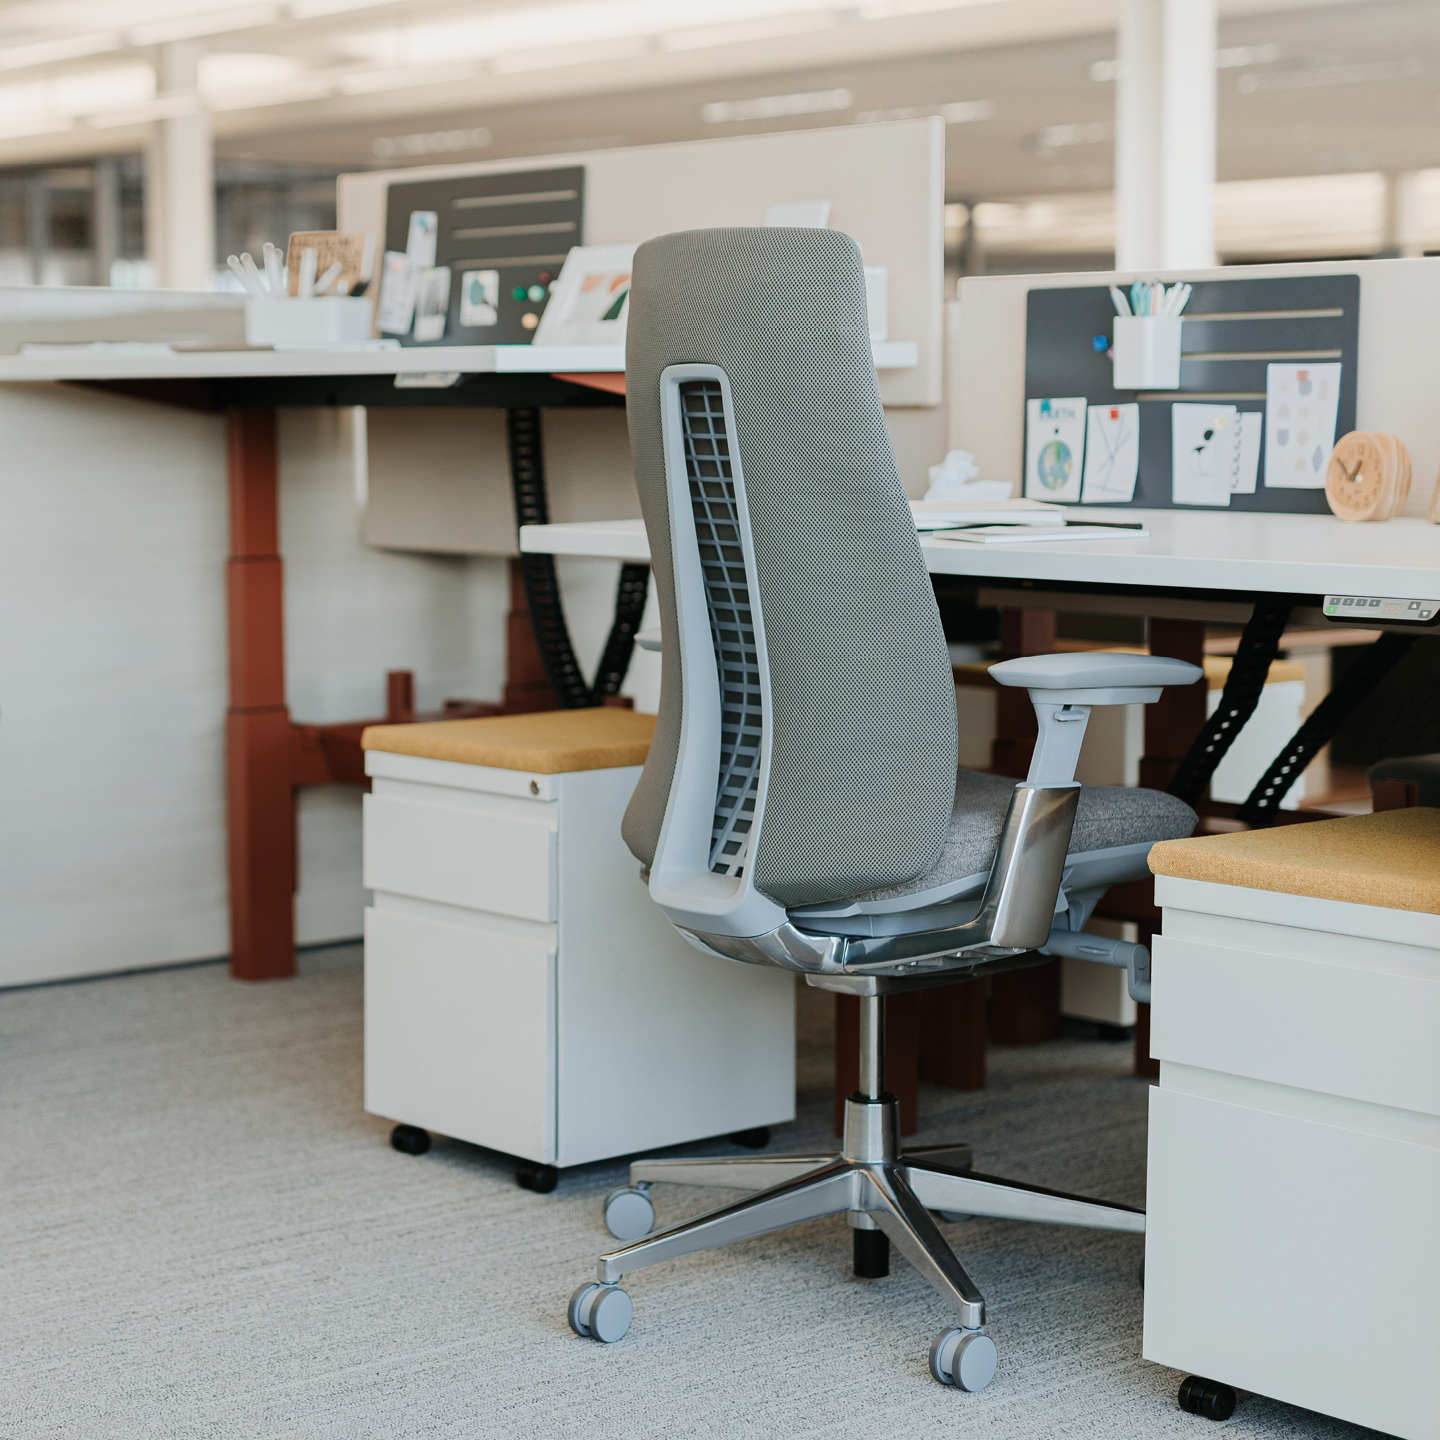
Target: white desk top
point(84, 364)
point(1186, 549)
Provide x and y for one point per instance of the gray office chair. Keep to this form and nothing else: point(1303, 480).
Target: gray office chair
point(800, 804)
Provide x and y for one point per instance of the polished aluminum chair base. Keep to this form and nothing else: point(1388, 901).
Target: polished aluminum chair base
point(873, 1183)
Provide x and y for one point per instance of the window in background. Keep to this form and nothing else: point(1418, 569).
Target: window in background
point(72, 225)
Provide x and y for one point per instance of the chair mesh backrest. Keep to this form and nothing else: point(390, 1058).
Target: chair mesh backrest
point(732, 628)
point(860, 780)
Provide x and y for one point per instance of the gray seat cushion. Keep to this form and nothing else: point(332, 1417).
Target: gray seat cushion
point(1107, 816)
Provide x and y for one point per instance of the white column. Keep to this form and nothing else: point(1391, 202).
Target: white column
point(1165, 135)
point(1404, 233)
point(180, 177)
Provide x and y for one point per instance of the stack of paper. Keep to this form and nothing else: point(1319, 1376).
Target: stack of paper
point(947, 514)
point(1031, 534)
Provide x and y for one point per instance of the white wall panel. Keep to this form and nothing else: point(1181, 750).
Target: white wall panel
point(113, 536)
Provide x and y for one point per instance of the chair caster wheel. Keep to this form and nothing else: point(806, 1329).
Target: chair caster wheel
point(629, 1213)
point(600, 1312)
point(965, 1359)
point(756, 1139)
point(540, 1178)
point(410, 1139)
point(1206, 1397)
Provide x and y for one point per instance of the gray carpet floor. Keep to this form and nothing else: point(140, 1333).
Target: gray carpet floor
point(205, 1235)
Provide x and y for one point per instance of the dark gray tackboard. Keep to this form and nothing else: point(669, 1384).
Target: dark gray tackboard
point(1249, 322)
point(521, 223)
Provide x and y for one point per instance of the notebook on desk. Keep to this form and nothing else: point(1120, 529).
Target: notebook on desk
point(1031, 534)
point(947, 514)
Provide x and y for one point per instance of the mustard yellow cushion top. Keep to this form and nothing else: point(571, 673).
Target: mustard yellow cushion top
point(554, 742)
point(1391, 859)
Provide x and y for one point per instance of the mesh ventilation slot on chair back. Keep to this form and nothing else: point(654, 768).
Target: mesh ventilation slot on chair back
point(727, 597)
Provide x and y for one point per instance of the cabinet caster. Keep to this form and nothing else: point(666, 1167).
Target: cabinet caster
point(410, 1139)
point(600, 1312)
point(756, 1139)
point(540, 1178)
point(965, 1359)
point(1206, 1397)
point(629, 1213)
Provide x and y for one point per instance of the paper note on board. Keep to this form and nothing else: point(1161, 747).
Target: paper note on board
point(1247, 472)
point(432, 303)
point(1204, 453)
point(1054, 449)
point(421, 237)
point(1302, 403)
point(479, 299)
point(396, 307)
point(1112, 454)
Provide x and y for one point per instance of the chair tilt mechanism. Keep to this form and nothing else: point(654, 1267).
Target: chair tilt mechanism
point(800, 806)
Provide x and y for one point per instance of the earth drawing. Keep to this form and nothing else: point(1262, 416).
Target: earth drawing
point(1054, 465)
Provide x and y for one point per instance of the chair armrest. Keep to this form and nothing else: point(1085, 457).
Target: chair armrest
point(1095, 670)
point(1063, 688)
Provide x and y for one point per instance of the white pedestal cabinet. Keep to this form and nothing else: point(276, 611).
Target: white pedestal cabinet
point(523, 993)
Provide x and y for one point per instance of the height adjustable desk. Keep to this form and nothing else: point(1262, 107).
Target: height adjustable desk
point(1195, 567)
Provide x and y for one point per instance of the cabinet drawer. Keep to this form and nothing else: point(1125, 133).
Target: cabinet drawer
point(1296, 1259)
point(1354, 1030)
point(460, 1031)
point(471, 851)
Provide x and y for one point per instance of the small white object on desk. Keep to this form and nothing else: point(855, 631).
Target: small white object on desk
point(957, 478)
point(307, 322)
point(319, 322)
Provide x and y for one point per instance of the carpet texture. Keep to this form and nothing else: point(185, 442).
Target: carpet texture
point(207, 1237)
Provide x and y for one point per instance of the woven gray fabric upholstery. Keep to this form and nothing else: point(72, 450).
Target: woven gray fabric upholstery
point(862, 765)
point(1107, 816)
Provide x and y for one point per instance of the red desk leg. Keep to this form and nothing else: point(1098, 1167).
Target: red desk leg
point(259, 764)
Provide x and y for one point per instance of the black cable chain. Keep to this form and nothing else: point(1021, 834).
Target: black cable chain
point(542, 588)
point(1263, 802)
point(630, 595)
point(1259, 644)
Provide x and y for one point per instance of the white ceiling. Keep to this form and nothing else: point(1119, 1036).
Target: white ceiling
point(1026, 86)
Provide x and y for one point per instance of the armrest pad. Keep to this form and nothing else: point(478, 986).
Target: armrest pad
point(1094, 669)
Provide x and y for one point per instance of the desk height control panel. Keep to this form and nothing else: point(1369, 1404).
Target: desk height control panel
point(1365, 608)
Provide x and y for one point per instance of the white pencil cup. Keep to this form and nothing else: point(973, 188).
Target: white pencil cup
point(1147, 352)
point(319, 320)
